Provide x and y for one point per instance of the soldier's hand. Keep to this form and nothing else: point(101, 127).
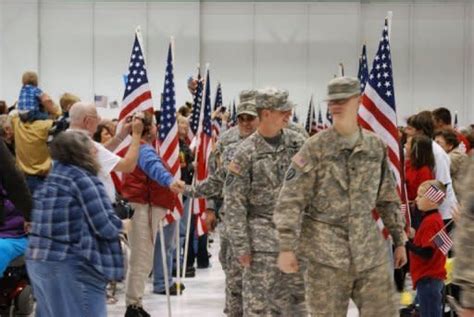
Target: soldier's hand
point(287, 262)
point(245, 260)
point(400, 257)
point(211, 220)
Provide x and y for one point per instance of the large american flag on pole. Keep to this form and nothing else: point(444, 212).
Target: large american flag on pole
point(378, 113)
point(168, 140)
point(137, 96)
point(196, 113)
point(203, 151)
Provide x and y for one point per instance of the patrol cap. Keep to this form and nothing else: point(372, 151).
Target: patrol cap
point(274, 99)
point(247, 103)
point(342, 88)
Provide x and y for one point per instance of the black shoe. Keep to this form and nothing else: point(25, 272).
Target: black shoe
point(173, 290)
point(136, 311)
point(191, 272)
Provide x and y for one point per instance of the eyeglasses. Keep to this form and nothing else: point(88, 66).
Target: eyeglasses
point(338, 102)
point(245, 118)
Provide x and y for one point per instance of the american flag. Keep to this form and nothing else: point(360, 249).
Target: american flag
point(137, 95)
point(434, 194)
point(168, 140)
point(295, 117)
point(320, 126)
point(378, 113)
point(217, 123)
point(196, 113)
point(443, 241)
point(363, 73)
point(310, 124)
point(233, 115)
point(204, 147)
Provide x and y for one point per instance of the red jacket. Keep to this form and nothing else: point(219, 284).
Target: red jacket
point(414, 177)
point(433, 267)
point(137, 187)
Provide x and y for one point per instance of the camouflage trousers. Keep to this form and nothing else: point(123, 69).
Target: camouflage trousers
point(269, 292)
point(233, 278)
point(329, 289)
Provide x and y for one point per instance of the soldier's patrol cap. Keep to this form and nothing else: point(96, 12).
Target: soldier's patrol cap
point(342, 88)
point(247, 103)
point(274, 99)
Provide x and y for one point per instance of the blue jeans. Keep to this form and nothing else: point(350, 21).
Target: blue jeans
point(169, 232)
point(70, 288)
point(11, 248)
point(430, 295)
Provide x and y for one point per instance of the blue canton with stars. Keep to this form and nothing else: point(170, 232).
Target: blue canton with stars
point(136, 71)
point(363, 74)
point(206, 122)
point(218, 102)
point(380, 77)
point(194, 124)
point(168, 106)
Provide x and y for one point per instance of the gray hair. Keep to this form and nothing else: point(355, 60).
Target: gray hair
point(74, 147)
point(79, 111)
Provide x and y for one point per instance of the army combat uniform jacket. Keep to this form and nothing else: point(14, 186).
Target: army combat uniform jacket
point(338, 186)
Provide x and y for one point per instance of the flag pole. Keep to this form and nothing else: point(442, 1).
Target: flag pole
point(165, 267)
point(191, 211)
point(188, 222)
point(341, 69)
point(178, 247)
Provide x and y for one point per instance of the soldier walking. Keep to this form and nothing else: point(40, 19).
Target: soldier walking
point(253, 182)
point(335, 180)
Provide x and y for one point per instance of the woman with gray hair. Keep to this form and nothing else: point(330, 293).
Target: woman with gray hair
point(74, 234)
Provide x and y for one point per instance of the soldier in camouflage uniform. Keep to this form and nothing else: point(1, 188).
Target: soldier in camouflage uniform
point(252, 185)
point(247, 122)
point(464, 246)
point(335, 180)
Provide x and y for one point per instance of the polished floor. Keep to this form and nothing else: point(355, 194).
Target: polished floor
point(203, 297)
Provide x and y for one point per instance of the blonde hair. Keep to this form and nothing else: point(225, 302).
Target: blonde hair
point(30, 78)
point(67, 100)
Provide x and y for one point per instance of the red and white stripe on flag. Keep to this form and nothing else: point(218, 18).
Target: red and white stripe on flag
point(168, 139)
point(203, 151)
point(377, 113)
point(137, 95)
point(443, 241)
point(434, 194)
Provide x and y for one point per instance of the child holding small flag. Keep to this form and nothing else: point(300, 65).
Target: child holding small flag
point(428, 249)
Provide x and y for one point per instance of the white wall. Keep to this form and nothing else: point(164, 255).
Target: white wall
point(84, 47)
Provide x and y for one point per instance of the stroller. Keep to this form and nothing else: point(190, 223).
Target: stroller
point(16, 296)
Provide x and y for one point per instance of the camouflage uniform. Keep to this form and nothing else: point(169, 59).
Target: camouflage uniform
point(464, 242)
point(298, 128)
point(337, 184)
point(252, 186)
point(212, 187)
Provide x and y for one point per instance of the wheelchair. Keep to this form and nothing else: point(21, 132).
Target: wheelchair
point(16, 296)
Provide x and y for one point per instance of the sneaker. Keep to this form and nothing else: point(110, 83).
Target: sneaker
point(173, 290)
point(136, 311)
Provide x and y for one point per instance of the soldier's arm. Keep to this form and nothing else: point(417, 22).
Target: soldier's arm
point(236, 193)
point(388, 204)
point(464, 243)
point(294, 196)
point(211, 187)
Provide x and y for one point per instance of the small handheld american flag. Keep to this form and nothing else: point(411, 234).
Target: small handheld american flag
point(434, 194)
point(442, 241)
